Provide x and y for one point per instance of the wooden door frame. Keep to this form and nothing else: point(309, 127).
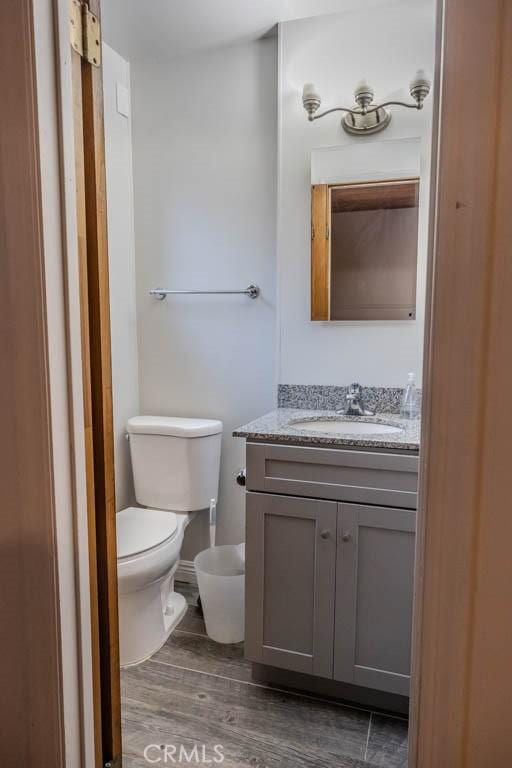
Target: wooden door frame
point(94, 305)
point(32, 708)
point(462, 698)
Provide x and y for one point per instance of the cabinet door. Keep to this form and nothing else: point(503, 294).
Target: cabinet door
point(374, 593)
point(290, 582)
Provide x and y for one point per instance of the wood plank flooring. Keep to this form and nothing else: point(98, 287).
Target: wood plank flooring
point(195, 694)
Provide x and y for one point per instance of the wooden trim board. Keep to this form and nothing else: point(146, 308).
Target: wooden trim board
point(186, 572)
point(369, 196)
point(463, 633)
point(97, 387)
point(320, 253)
point(76, 71)
point(31, 712)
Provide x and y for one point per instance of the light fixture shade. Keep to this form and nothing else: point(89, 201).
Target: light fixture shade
point(311, 100)
point(419, 87)
point(310, 92)
point(420, 78)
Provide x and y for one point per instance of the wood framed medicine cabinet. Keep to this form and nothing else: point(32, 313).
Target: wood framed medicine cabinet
point(364, 243)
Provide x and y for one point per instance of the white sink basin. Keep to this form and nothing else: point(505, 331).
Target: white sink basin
point(342, 427)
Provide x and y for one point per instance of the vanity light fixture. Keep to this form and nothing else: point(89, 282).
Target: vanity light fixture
point(365, 117)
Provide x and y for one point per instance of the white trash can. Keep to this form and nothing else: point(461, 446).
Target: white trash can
point(221, 579)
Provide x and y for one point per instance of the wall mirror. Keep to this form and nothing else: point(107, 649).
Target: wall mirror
point(364, 236)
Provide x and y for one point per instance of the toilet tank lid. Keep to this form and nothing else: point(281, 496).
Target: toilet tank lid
point(175, 426)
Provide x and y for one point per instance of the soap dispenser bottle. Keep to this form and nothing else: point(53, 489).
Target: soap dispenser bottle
point(409, 408)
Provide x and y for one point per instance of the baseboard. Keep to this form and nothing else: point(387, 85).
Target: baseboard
point(186, 572)
point(368, 698)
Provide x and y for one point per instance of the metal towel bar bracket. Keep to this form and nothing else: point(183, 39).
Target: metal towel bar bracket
point(252, 291)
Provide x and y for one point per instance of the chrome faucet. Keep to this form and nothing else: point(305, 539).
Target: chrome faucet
point(355, 402)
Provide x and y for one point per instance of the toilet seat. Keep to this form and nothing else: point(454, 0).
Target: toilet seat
point(140, 530)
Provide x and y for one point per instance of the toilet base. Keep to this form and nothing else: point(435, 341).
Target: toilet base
point(158, 610)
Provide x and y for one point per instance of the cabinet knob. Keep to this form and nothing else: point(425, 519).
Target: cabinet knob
point(346, 536)
point(325, 534)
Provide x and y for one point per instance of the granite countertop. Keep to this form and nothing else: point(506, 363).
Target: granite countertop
point(277, 427)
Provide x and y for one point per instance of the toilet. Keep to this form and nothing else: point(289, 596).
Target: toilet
point(175, 464)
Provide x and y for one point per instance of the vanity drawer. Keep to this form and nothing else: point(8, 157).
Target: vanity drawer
point(341, 475)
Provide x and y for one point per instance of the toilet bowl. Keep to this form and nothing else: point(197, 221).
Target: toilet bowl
point(176, 464)
point(148, 552)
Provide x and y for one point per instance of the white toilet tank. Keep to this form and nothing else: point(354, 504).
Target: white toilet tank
point(175, 461)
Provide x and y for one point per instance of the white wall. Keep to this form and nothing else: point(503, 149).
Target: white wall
point(204, 156)
point(123, 316)
point(204, 130)
point(385, 45)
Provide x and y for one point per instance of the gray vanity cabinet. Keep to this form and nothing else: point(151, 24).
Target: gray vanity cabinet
point(290, 582)
point(329, 563)
point(374, 595)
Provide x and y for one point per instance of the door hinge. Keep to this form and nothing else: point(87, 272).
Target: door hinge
point(327, 232)
point(85, 32)
point(75, 26)
point(114, 763)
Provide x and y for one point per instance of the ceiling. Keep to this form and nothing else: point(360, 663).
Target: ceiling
point(169, 28)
